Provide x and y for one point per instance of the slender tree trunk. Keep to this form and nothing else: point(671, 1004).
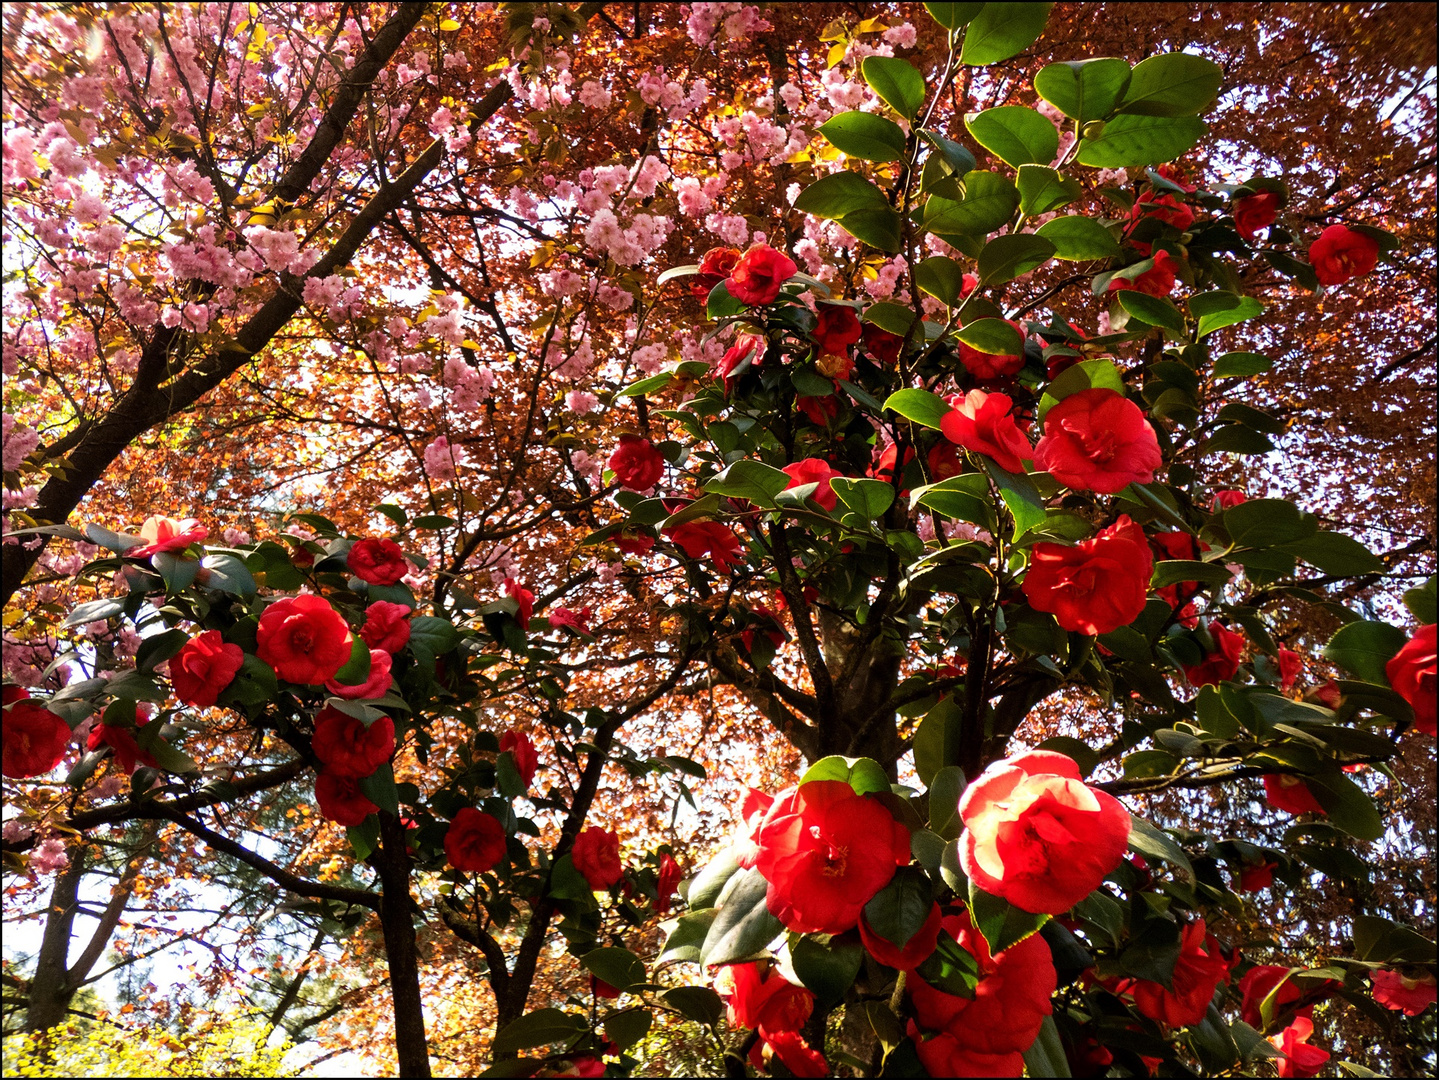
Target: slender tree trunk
point(397, 921)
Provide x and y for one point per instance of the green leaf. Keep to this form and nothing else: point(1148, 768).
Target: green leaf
point(1086, 375)
point(167, 757)
point(1155, 843)
point(379, 788)
point(1042, 189)
point(1001, 923)
point(1337, 554)
point(941, 277)
point(865, 135)
point(539, 1028)
point(1364, 647)
point(827, 970)
point(620, 968)
point(1380, 941)
point(1025, 504)
point(862, 774)
point(157, 648)
point(669, 275)
point(1171, 571)
point(879, 227)
point(989, 201)
point(1421, 602)
point(1347, 805)
point(704, 890)
point(1083, 90)
point(1172, 84)
point(952, 16)
point(956, 157)
point(721, 305)
point(945, 788)
point(685, 935)
point(1000, 31)
point(1219, 309)
point(1015, 134)
point(1241, 365)
point(992, 336)
point(1007, 257)
point(889, 316)
point(752, 480)
point(627, 1027)
point(937, 741)
point(867, 498)
point(839, 194)
point(897, 82)
point(1262, 523)
point(1154, 310)
point(433, 521)
point(177, 573)
point(647, 385)
point(119, 543)
point(921, 406)
point(431, 637)
point(1236, 439)
point(899, 910)
point(959, 498)
point(697, 1003)
point(1045, 1056)
point(1140, 140)
point(1077, 238)
point(253, 685)
point(743, 926)
point(364, 838)
point(357, 668)
point(228, 573)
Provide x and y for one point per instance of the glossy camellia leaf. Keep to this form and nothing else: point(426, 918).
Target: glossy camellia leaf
point(1154, 843)
point(936, 742)
point(1007, 257)
point(989, 201)
point(921, 406)
point(895, 318)
point(827, 970)
point(1045, 1056)
point(685, 935)
point(1267, 522)
point(704, 890)
point(1337, 554)
point(956, 158)
point(1079, 239)
point(953, 16)
point(897, 82)
point(1380, 941)
point(720, 304)
point(1086, 375)
point(539, 1028)
point(627, 1027)
point(1001, 923)
point(945, 788)
point(862, 774)
point(1172, 84)
point(1015, 134)
point(620, 968)
point(867, 498)
point(1131, 140)
point(1364, 647)
point(1347, 806)
point(698, 1003)
point(1172, 571)
point(1000, 31)
point(992, 336)
point(941, 277)
point(1020, 496)
point(1042, 189)
point(864, 135)
point(899, 910)
point(1154, 310)
point(1218, 309)
point(1421, 602)
point(752, 480)
point(959, 498)
point(1084, 90)
point(1241, 365)
point(879, 227)
point(839, 194)
point(743, 925)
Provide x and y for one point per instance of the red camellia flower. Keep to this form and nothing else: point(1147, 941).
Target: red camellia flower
point(636, 463)
point(1098, 440)
point(1340, 254)
point(602, 989)
point(666, 882)
point(1290, 794)
point(748, 349)
point(1412, 675)
point(1095, 586)
point(718, 263)
point(1227, 500)
point(475, 841)
point(985, 424)
point(634, 543)
point(304, 639)
point(387, 626)
point(1219, 663)
point(377, 685)
point(596, 855)
point(814, 471)
point(1037, 835)
point(700, 538)
point(341, 801)
point(1397, 991)
point(524, 599)
point(818, 410)
point(1259, 982)
point(34, 739)
point(575, 620)
point(377, 560)
point(203, 668)
point(883, 467)
point(167, 534)
point(1254, 877)
point(758, 275)
point(1198, 971)
point(825, 852)
point(944, 461)
point(912, 953)
point(754, 806)
point(881, 344)
point(985, 1035)
point(348, 747)
point(1290, 665)
point(837, 328)
point(1255, 212)
point(760, 998)
point(1165, 207)
point(987, 367)
point(122, 743)
point(794, 1053)
point(1158, 280)
point(1300, 1059)
point(522, 749)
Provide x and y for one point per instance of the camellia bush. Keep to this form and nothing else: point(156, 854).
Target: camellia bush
point(898, 525)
